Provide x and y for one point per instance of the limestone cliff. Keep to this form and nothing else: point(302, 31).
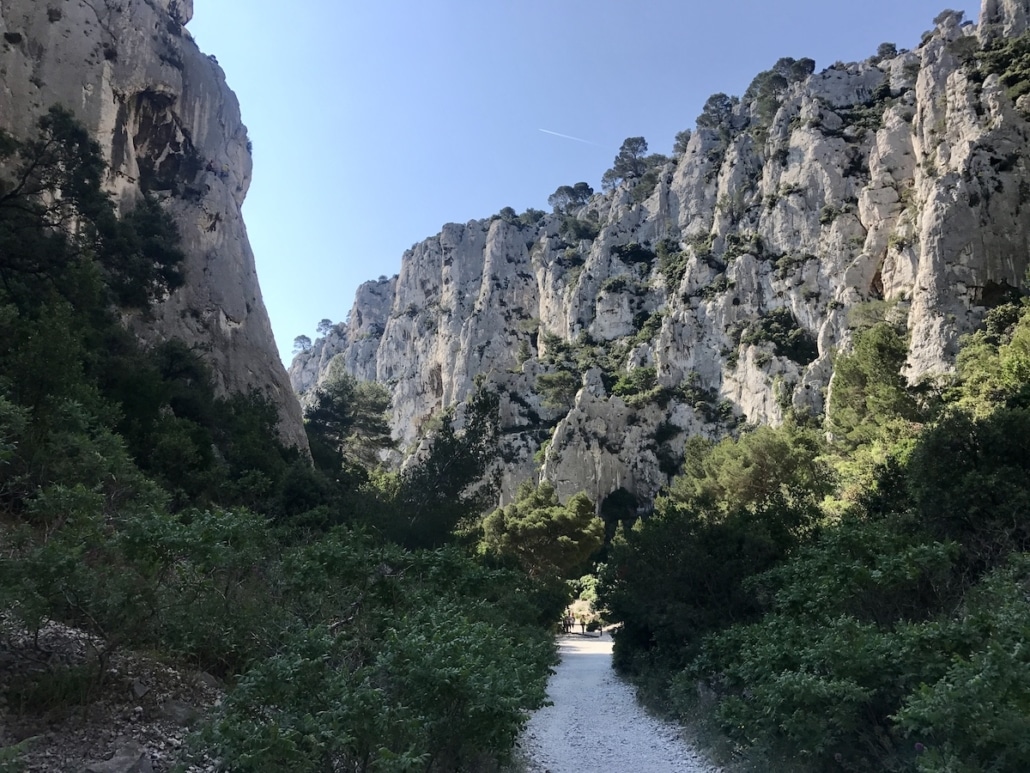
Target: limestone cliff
point(718, 288)
point(168, 126)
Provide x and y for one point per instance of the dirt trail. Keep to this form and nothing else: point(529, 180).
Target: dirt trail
point(596, 723)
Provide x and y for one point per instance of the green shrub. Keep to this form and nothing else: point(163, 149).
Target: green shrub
point(576, 230)
point(1009, 59)
point(410, 667)
point(790, 340)
point(715, 288)
point(970, 481)
point(615, 284)
point(636, 381)
point(679, 575)
point(634, 253)
point(738, 244)
point(786, 265)
point(846, 639)
point(559, 388)
point(644, 187)
point(829, 213)
point(974, 716)
point(531, 217)
point(672, 262)
point(648, 325)
point(9, 755)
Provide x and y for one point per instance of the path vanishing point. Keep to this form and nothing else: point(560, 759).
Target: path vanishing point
point(596, 724)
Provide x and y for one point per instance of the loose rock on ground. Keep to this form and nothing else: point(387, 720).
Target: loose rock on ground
point(596, 723)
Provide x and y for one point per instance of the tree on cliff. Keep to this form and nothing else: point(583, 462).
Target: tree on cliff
point(632, 163)
point(451, 483)
point(57, 224)
point(567, 196)
point(347, 425)
point(716, 111)
point(629, 163)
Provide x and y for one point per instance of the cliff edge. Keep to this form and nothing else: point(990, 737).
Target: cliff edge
point(168, 126)
point(717, 287)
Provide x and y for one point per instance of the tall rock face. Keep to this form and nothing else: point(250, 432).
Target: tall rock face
point(170, 127)
point(718, 287)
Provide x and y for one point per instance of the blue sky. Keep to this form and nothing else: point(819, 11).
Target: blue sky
point(374, 123)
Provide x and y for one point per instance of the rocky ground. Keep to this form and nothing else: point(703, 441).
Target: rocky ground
point(135, 722)
point(595, 722)
point(140, 718)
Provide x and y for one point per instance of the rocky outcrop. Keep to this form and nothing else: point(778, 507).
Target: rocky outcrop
point(170, 127)
point(718, 288)
point(1005, 18)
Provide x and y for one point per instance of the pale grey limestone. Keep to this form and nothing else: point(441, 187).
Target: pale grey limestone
point(900, 180)
point(168, 125)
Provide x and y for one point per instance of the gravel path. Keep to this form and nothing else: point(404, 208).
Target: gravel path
point(596, 723)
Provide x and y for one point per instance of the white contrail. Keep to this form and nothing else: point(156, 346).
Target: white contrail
point(570, 137)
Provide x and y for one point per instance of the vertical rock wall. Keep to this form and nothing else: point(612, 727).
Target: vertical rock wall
point(169, 126)
point(726, 283)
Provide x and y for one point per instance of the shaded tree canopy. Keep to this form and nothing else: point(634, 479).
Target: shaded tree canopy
point(568, 196)
point(680, 144)
point(347, 423)
point(633, 163)
point(450, 482)
point(870, 396)
point(545, 537)
point(784, 462)
point(56, 222)
point(716, 111)
point(629, 163)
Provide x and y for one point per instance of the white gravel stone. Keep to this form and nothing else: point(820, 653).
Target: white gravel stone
point(595, 722)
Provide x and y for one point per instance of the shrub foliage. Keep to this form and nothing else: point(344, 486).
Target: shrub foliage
point(852, 601)
point(148, 510)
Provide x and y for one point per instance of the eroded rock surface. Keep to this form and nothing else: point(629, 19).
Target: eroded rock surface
point(169, 126)
point(725, 283)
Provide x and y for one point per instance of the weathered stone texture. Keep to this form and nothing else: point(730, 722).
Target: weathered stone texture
point(903, 179)
point(169, 126)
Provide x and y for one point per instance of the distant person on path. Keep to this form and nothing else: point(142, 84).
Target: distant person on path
point(582, 626)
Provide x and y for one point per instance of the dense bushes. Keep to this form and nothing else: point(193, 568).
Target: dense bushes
point(873, 619)
point(789, 339)
point(541, 535)
point(150, 512)
point(680, 573)
point(974, 716)
point(392, 668)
